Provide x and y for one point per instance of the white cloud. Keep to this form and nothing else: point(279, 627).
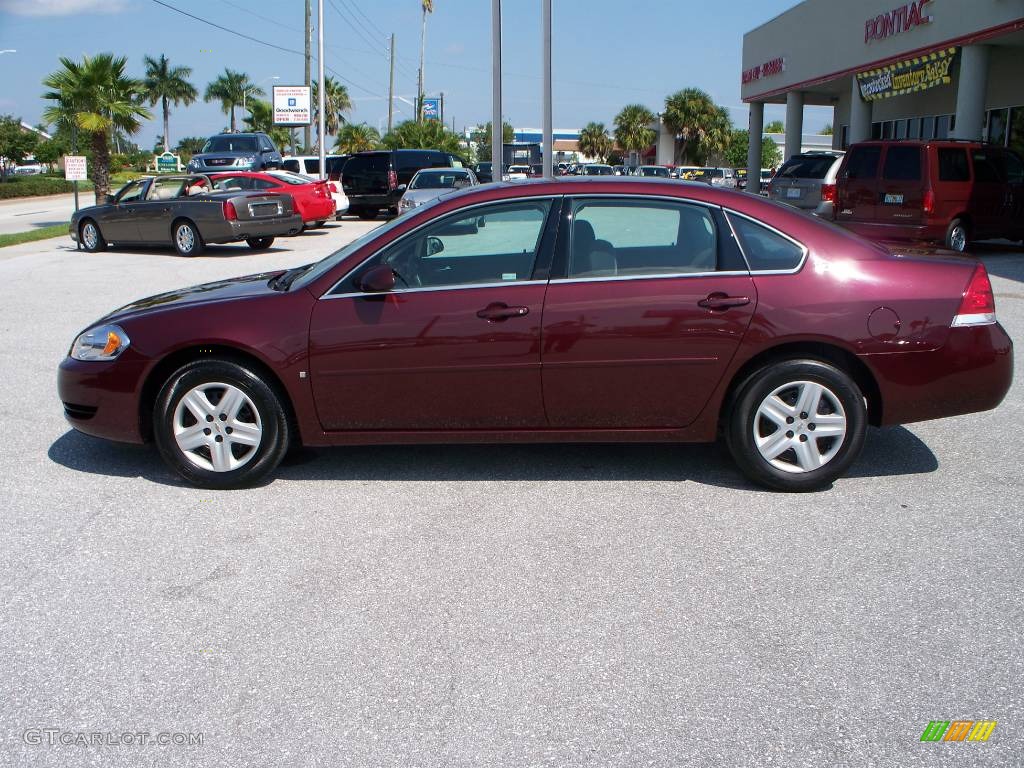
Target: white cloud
point(59, 7)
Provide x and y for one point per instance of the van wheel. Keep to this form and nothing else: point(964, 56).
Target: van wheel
point(957, 235)
point(797, 425)
point(367, 214)
point(260, 243)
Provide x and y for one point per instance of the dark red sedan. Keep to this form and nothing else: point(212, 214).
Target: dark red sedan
point(574, 310)
point(313, 201)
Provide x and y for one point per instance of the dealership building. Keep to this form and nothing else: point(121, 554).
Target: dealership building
point(923, 69)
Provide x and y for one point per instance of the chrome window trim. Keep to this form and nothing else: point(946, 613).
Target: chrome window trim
point(434, 288)
point(329, 293)
point(739, 242)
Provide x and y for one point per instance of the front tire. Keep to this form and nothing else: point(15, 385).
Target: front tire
point(218, 425)
point(90, 237)
point(797, 425)
point(957, 235)
point(186, 238)
point(260, 243)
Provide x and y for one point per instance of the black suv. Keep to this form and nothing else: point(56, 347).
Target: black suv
point(376, 180)
point(236, 151)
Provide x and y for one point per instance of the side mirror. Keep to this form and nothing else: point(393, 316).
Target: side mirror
point(380, 279)
point(434, 246)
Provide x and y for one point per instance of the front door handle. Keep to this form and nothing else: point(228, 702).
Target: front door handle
point(720, 300)
point(499, 311)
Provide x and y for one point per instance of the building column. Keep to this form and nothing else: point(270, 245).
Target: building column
point(860, 115)
point(666, 144)
point(756, 131)
point(794, 123)
point(970, 93)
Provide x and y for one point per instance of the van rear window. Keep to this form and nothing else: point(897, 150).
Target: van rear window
point(863, 162)
point(953, 165)
point(902, 164)
point(806, 167)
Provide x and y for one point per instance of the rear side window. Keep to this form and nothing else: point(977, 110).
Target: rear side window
point(863, 163)
point(366, 164)
point(1014, 168)
point(902, 164)
point(953, 165)
point(806, 167)
point(985, 167)
point(405, 161)
point(765, 249)
point(291, 165)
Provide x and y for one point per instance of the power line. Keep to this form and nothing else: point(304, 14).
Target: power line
point(356, 18)
point(275, 22)
point(380, 31)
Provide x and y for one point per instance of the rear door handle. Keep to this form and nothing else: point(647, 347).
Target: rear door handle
point(499, 311)
point(722, 301)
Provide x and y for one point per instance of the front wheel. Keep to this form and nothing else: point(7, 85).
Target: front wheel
point(219, 425)
point(797, 425)
point(91, 238)
point(260, 243)
point(367, 214)
point(187, 240)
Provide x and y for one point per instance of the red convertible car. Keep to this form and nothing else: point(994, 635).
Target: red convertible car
point(313, 201)
point(602, 309)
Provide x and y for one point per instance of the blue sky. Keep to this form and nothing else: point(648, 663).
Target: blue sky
point(603, 58)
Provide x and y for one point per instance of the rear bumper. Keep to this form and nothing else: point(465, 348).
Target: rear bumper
point(971, 372)
point(232, 231)
point(935, 232)
point(101, 398)
point(318, 210)
point(374, 201)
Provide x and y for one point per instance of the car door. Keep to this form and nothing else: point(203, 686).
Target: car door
point(1013, 225)
point(457, 344)
point(154, 214)
point(648, 301)
point(988, 203)
point(119, 224)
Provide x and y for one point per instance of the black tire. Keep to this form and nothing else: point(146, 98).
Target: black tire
point(783, 377)
point(267, 410)
point(367, 214)
point(181, 240)
point(958, 235)
point(320, 223)
point(260, 243)
point(98, 244)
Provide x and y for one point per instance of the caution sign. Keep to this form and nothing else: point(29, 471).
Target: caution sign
point(915, 74)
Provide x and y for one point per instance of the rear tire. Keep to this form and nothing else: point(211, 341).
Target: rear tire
point(90, 237)
point(259, 243)
point(320, 223)
point(214, 452)
point(367, 214)
point(186, 238)
point(958, 235)
point(777, 444)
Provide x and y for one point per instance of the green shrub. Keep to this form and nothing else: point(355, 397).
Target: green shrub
point(31, 186)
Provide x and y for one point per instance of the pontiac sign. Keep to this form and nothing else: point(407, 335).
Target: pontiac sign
point(896, 21)
point(908, 76)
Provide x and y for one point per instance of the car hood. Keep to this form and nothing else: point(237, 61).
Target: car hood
point(233, 289)
point(421, 196)
point(225, 153)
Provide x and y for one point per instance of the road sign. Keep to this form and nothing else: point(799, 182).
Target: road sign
point(168, 162)
point(292, 105)
point(74, 168)
point(431, 109)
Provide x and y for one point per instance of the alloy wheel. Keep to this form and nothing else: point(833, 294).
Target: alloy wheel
point(958, 238)
point(217, 427)
point(799, 427)
point(90, 235)
point(185, 238)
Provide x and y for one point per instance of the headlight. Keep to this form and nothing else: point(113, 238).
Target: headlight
point(405, 205)
point(192, 165)
point(245, 161)
point(104, 342)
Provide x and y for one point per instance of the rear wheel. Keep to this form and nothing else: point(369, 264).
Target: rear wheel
point(320, 223)
point(260, 243)
point(957, 235)
point(219, 425)
point(797, 425)
point(367, 214)
point(186, 237)
point(90, 237)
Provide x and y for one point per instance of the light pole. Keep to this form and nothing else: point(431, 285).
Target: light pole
point(321, 91)
point(254, 87)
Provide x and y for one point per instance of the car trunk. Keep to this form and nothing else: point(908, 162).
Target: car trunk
point(256, 207)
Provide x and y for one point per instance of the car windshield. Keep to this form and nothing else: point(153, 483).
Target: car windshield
point(328, 263)
point(599, 170)
point(231, 144)
point(806, 167)
point(655, 171)
point(290, 178)
point(438, 180)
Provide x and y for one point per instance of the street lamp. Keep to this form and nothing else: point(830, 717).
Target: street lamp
point(255, 86)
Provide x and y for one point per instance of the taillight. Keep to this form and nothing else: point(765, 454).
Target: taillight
point(828, 193)
point(392, 179)
point(978, 306)
point(928, 204)
point(333, 187)
point(230, 214)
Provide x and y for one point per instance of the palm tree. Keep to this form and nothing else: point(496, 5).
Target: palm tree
point(633, 130)
point(703, 127)
point(97, 98)
point(261, 118)
point(168, 85)
point(429, 134)
point(336, 103)
point(231, 89)
point(357, 137)
point(595, 141)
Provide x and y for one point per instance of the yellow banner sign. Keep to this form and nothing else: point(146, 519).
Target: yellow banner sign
point(907, 76)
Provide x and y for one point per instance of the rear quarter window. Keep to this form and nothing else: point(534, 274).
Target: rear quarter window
point(902, 164)
point(953, 164)
point(986, 167)
point(765, 249)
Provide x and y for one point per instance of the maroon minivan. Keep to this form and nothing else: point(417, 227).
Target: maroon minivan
point(949, 192)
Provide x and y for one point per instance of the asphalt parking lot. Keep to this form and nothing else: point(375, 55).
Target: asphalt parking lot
point(515, 605)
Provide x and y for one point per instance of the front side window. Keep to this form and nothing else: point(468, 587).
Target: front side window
point(765, 249)
point(619, 238)
point(490, 244)
point(131, 193)
point(230, 183)
point(902, 164)
point(1013, 167)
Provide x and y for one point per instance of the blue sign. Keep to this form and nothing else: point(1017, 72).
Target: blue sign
point(431, 109)
point(291, 102)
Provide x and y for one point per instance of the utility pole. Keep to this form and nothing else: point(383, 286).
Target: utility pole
point(497, 126)
point(548, 145)
point(306, 137)
point(391, 86)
